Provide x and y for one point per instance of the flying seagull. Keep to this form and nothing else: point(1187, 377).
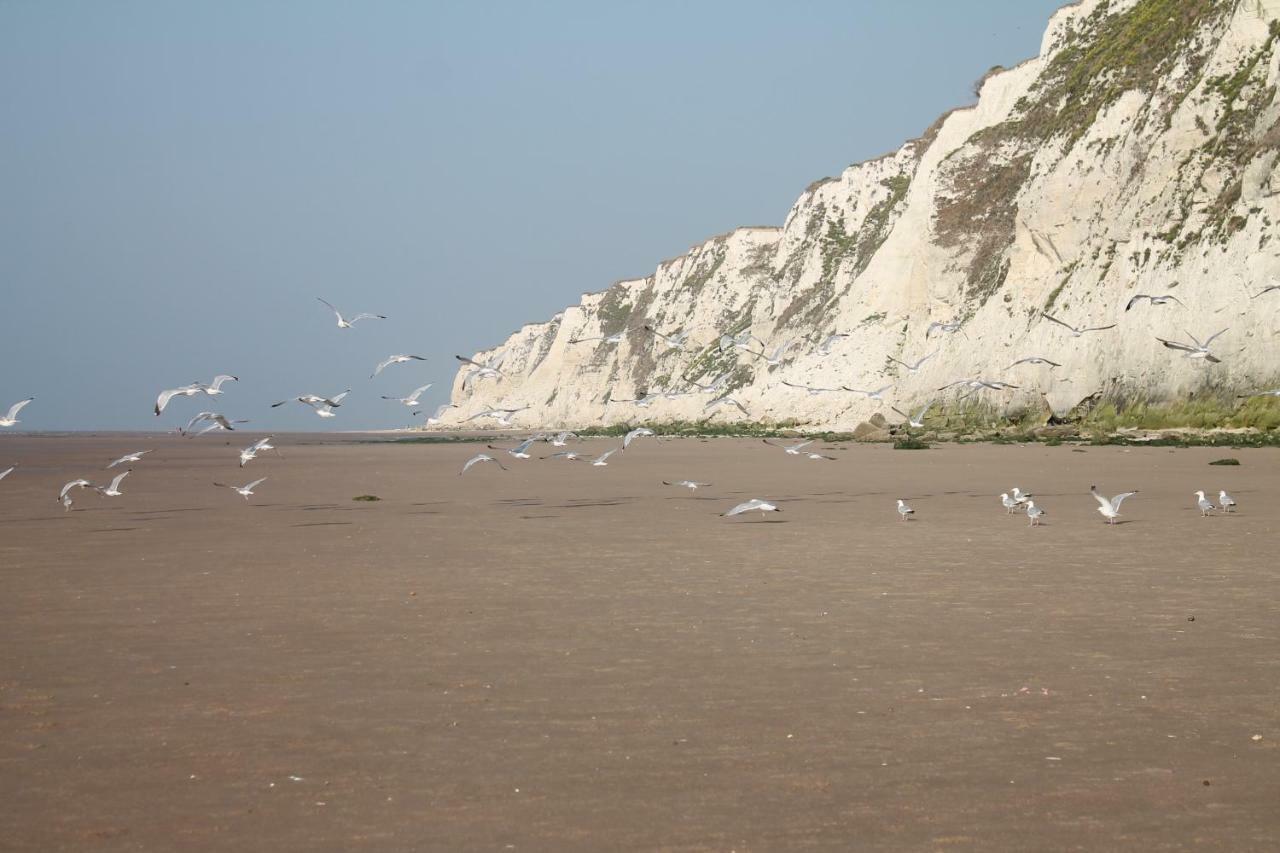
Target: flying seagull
point(567, 455)
point(1110, 509)
point(344, 323)
point(1034, 514)
point(323, 406)
point(521, 450)
point(412, 399)
point(676, 341)
point(243, 491)
point(714, 386)
point(691, 485)
point(912, 368)
point(615, 338)
point(444, 407)
point(1205, 505)
point(185, 391)
point(217, 422)
point(790, 449)
point(942, 327)
point(481, 370)
point(562, 438)
point(503, 416)
point(12, 417)
point(904, 511)
point(726, 400)
point(1154, 300)
point(394, 359)
point(753, 505)
point(633, 435)
point(214, 388)
point(1273, 393)
point(741, 341)
point(1034, 359)
point(1224, 500)
point(480, 457)
point(1199, 350)
point(602, 460)
point(779, 354)
point(915, 421)
point(1266, 290)
point(810, 390)
point(113, 490)
point(877, 394)
point(7, 471)
point(825, 347)
point(816, 456)
point(130, 457)
point(251, 452)
point(74, 484)
point(1074, 331)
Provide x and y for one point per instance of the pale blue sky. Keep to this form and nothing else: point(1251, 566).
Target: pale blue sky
point(179, 181)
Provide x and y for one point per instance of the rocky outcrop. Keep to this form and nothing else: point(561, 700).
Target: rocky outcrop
point(1135, 155)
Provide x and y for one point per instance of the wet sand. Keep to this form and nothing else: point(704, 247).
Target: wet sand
point(561, 657)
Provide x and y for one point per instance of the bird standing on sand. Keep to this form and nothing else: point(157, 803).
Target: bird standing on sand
point(1034, 514)
point(1009, 503)
point(1224, 500)
point(1204, 504)
point(1110, 508)
point(753, 505)
point(904, 511)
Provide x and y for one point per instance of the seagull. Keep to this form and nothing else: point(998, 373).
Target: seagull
point(726, 399)
point(714, 386)
point(903, 510)
point(825, 347)
point(942, 327)
point(790, 449)
point(912, 368)
point(1074, 331)
point(1200, 350)
point(691, 485)
point(481, 370)
point(917, 420)
point(779, 354)
point(113, 490)
point(676, 341)
point(644, 401)
point(978, 384)
point(323, 406)
point(615, 338)
point(165, 396)
point(214, 388)
point(243, 491)
point(1224, 500)
point(1154, 300)
point(74, 484)
point(66, 502)
point(1020, 496)
point(480, 457)
point(1009, 503)
point(740, 341)
point(753, 505)
point(503, 416)
point(130, 457)
point(218, 422)
point(1272, 393)
point(344, 323)
point(1034, 513)
point(810, 390)
point(1206, 506)
point(1110, 508)
point(1034, 359)
point(521, 450)
point(412, 399)
point(395, 359)
point(818, 456)
point(1266, 290)
point(602, 460)
point(7, 471)
point(251, 452)
point(444, 407)
point(567, 455)
point(561, 439)
point(633, 435)
point(878, 394)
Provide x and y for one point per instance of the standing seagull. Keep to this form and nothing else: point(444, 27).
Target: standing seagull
point(753, 505)
point(1034, 514)
point(1110, 509)
point(395, 359)
point(412, 399)
point(165, 396)
point(1075, 333)
point(12, 417)
point(130, 457)
point(904, 511)
point(1206, 506)
point(243, 491)
point(480, 457)
point(1200, 350)
point(1224, 500)
point(113, 490)
point(1009, 503)
point(344, 323)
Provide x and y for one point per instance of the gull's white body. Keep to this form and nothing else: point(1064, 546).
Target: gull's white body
point(1224, 500)
point(904, 511)
point(754, 505)
point(691, 485)
point(633, 435)
point(113, 490)
point(478, 458)
point(344, 323)
point(1110, 507)
point(1034, 514)
point(244, 491)
point(11, 417)
point(130, 457)
point(1204, 504)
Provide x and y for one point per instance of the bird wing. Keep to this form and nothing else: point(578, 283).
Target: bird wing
point(115, 484)
point(254, 484)
point(1176, 345)
point(331, 308)
point(161, 401)
point(1103, 502)
point(17, 407)
point(368, 317)
point(1135, 299)
point(1119, 499)
point(1213, 337)
point(383, 365)
point(524, 445)
point(7, 471)
point(1053, 319)
point(1098, 328)
point(69, 486)
point(603, 456)
point(220, 378)
point(336, 400)
point(417, 392)
point(920, 417)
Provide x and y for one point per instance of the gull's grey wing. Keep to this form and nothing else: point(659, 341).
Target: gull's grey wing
point(1214, 337)
point(335, 311)
point(115, 484)
point(1176, 345)
point(1119, 499)
point(1053, 319)
point(255, 483)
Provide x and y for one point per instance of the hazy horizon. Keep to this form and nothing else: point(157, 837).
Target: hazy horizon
point(183, 181)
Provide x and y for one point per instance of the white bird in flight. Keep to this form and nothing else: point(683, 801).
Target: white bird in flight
point(323, 406)
point(676, 341)
point(521, 450)
point(1266, 290)
point(214, 388)
point(942, 327)
point(11, 417)
point(691, 485)
point(502, 416)
point(562, 438)
point(217, 421)
point(136, 456)
point(726, 400)
point(912, 368)
point(779, 353)
point(825, 347)
point(790, 449)
point(1224, 500)
point(1154, 300)
point(1075, 332)
point(754, 505)
point(412, 399)
point(74, 484)
point(481, 370)
point(439, 414)
point(1034, 359)
point(7, 471)
point(243, 491)
point(567, 455)
point(344, 323)
point(251, 452)
point(877, 394)
point(602, 461)
point(615, 338)
point(1199, 350)
point(185, 391)
point(810, 390)
point(715, 385)
point(1110, 508)
point(1205, 505)
point(903, 510)
point(915, 421)
point(633, 435)
point(113, 490)
point(478, 458)
point(394, 359)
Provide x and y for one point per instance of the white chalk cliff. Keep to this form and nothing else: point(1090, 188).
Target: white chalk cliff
point(1136, 154)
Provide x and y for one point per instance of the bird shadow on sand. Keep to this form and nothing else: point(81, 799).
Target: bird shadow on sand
point(145, 512)
point(114, 529)
point(585, 504)
point(320, 523)
point(520, 501)
point(429, 503)
point(766, 521)
point(424, 512)
point(539, 516)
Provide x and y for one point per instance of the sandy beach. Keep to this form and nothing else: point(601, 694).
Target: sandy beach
point(561, 657)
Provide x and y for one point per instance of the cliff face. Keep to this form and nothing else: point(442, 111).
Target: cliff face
point(1135, 154)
